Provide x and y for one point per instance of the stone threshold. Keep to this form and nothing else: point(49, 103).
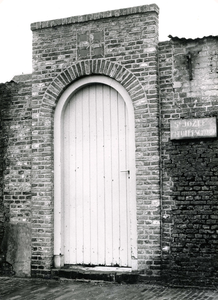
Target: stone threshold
point(111, 274)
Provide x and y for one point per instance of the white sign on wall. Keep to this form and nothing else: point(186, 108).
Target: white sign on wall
point(193, 128)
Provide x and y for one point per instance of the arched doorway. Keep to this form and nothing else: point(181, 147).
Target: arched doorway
point(95, 215)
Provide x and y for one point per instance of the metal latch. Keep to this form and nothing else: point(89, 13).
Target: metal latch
point(128, 172)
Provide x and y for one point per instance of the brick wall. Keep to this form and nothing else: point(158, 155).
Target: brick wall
point(15, 172)
point(188, 89)
point(176, 181)
point(120, 44)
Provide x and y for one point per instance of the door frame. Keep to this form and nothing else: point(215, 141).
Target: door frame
point(58, 116)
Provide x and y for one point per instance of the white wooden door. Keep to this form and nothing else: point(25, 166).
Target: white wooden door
point(96, 178)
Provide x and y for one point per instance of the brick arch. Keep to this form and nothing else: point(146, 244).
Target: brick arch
point(93, 67)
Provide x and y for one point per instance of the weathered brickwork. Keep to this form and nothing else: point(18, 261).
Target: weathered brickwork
point(15, 203)
point(176, 180)
point(188, 89)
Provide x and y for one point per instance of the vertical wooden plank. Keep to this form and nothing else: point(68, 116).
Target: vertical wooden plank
point(79, 179)
point(66, 183)
point(128, 188)
point(100, 176)
point(69, 181)
point(107, 172)
point(70, 163)
point(115, 172)
point(72, 186)
point(93, 176)
point(123, 182)
point(86, 172)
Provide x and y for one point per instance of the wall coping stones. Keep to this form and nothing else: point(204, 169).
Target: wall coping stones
point(22, 77)
point(95, 16)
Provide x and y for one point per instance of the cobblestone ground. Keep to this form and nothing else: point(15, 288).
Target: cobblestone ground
point(21, 289)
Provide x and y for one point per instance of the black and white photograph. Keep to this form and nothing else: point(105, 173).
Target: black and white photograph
point(108, 150)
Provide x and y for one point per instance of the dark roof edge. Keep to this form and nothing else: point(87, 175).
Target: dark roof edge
point(96, 16)
point(183, 39)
